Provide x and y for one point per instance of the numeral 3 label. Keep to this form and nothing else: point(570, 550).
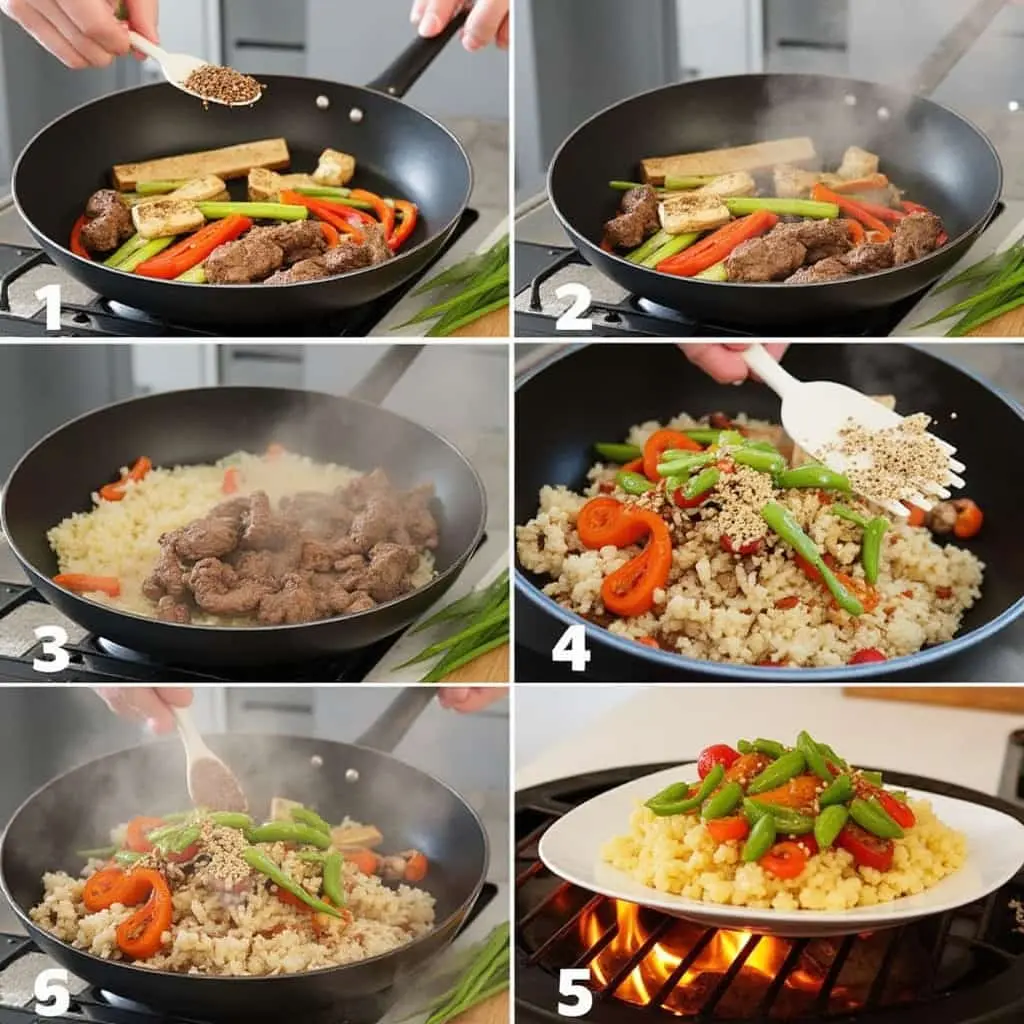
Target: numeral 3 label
point(56, 658)
point(572, 985)
point(571, 649)
point(51, 991)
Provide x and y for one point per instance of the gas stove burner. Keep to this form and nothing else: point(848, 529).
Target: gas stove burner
point(954, 968)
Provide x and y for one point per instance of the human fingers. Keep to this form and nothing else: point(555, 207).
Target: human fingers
point(505, 33)
point(95, 19)
point(775, 349)
point(436, 15)
point(138, 703)
point(483, 23)
point(723, 364)
point(96, 55)
point(44, 32)
point(143, 16)
point(176, 696)
point(467, 700)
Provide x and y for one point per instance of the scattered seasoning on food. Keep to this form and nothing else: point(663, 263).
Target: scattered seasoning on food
point(223, 85)
point(741, 496)
point(883, 463)
point(227, 867)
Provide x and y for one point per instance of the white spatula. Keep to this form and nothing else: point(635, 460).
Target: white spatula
point(178, 66)
point(814, 413)
point(211, 784)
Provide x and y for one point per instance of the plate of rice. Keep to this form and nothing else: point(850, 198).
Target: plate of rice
point(835, 851)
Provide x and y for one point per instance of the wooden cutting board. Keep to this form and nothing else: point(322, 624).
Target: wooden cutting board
point(493, 325)
point(985, 698)
point(494, 1011)
point(1009, 325)
point(492, 667)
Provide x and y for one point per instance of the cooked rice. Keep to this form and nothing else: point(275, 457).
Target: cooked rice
point(677, 855)
point(719, 607)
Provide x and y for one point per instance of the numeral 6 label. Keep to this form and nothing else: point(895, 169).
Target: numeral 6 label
point(51, 991)
point(571, 649)
point(577, 999)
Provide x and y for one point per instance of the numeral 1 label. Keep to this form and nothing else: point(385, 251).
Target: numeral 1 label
point(571, 649)
point(56, 658)
point(573, 319)
point(53, 999)
point(578, 1000)
point(50, 295)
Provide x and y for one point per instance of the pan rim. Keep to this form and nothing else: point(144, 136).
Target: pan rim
point(575, 234)
point(350, 275)
point(320, 971)
point(731, 671)
point(457, 564)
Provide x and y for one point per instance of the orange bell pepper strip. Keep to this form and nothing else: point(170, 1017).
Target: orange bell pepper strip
point(83, 583)
point(606, 521)
point(330, 233)
point(385, 213)
point(868, 183)
point(660, 442)
point(352, 214)
point(191, 251)
point(636, 466)
point(856, 231)
point(917, 515)
point(76, 245)
point(103, 889)
point(851, 209)
point(364, 859)
point(886, 214)
point(799, 792)
point(410, 215)
point(141, 935)
point(713, 249)
point(324, 212)
point(115, 491)
point(629, 591)
point(232, 480)
point(137, 834)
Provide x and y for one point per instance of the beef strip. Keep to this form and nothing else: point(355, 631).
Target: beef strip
point(821, 238)
point(298, 240)
point(869, 257)
point(212, 537)
point(771, 258)
point(916, 236)
point(108, 222)
point(345, 257)
point(419, 520)
point(170, 610)
point(217, 588)
point(264, 529)
point(830, 269)
point(294, 603)
point(638, 220)
point(250, 259)
point(167, 576)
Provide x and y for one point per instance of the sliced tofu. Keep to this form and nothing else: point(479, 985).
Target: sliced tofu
point(201, 190)
point(356, 837)
point(227, 163)
point(692, 211)
point(281, 808)
point(757, 157)
point(793, 182)
point(731, 186)
point(335, 168)
point(858, 163)
point(266, 186)
point(165, 217)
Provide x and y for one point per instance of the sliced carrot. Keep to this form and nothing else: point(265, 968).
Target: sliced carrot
point(968, 520)
point(365, 860)
point(713, 249)
point(917, 515)
point(232, 480)
point(856, 231)
point(330, 233)
point(415, 867)
point(852, 209)
point(83, 583)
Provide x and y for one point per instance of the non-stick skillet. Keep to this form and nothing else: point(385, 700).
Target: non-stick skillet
point(938, 157)
point(399, 150)
point(412, 809)
point(595, 393)
point(56, 478)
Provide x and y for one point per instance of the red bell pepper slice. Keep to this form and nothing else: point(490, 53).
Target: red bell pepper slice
point(191, 251)
point(330, 233)
point(76, 245)
point(325, 212)
point(385, 213)
point(851, 209)
point(410, 215)
point(718, 245)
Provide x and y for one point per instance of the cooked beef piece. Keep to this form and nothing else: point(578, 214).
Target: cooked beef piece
point(323, 556)
point(250, 259)
point(167, 576)
point(361, 603)
point(821, 238)
point(356, 493)
point(343, 258)
point(638, 220)
point(264, 529)
point(218, 589)
point(295, 602)
point(317, 514)
point(830, 269)
point(331, 597)
point(390, 571)
point(419, 520)
point(765, 259)
point(869, 257)
point(376, 242)
point(253, 564)
point(916, 236)
point(213, 537)
point(381, 517)
point(170, 610)
point(108, 222)
point(298, 240)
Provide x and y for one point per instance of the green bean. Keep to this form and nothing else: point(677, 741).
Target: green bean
point(230, 819)
point(760, 840)
point(152, 248)
point(648, 248)
point(871, 548)
point(870, 815)
point(742, 205)
point(770, 748)
point(634, 483)
point(311, 856)
point(676, 463)
point(814, 476)
point(703, 435)
point(762, 446)
point(99, 853)
point(874, 778)
point(259, 861)
point(684, 183)
point(716, 272)
point(126, 858)
point(194, 275)
point(178, 842)
point(778, 773)
point(724, 802)
point(304, 816)
point(620, 453)
point(833, 756)
point(133, 244)
point(701, 483)
point(745, 747)
point(731, 439)
point(288, 832)
point(256, 211)
point(159, 188)
point(787, 821)
point(829, 823)
point(763, 462)
point(670, 801)
point(334, 888)
point(839, 792)
point(815, 759)
point(847, 513)
point(670, 249)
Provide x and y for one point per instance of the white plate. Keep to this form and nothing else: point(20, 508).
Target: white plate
point(571, 848)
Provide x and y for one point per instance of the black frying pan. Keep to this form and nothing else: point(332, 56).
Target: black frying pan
point(399, 150)
point(938, 157)
point(57, 476)
point(411, 808)
point(599, 391)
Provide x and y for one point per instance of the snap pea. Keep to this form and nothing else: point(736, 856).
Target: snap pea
point(763, 462)
point(312, 856)
point(870, 815)
point(621, 453)
point(813, 475)
point(730, 439)
point(703, 435)
point(762, 446)
point(633, 483)
point(174, 838)
point(778, 773)
point(745, 747)
point(305, 816)
point(100, 853)
point(829, 823)
point(787, 821)
point(334, 888)
point(259, 861)
point(839, 792)
point(871, 548)
point(898, 794)
point(701, 483)
point(672, 800)
point(126, 858)
point(782, 522)
point(875, 778)
point(847, 513)
point(230, 819)
point(288, 832)
point(770, 748)
point(760, 840)
point(675, 462)
point(833, 756)
point(724, 802)
point(815, 758)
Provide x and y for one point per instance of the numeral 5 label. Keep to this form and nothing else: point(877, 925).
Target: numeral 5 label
point(577, 999)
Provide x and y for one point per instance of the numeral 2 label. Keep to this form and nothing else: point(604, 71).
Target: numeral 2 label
point(51, 991)
point(572, 985)
point(571, 649)
point(573, 319)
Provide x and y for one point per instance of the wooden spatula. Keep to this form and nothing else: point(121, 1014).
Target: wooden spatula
point(211, 784)
point(815, 412)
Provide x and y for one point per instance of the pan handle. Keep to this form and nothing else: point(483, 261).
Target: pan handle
point(410, 64)
point(398, 718)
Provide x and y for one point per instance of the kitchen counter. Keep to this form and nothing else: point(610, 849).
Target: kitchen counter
point(669, 723)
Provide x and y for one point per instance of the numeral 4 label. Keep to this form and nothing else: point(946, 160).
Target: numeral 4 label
point(572, 984)
point(571, 649)
point(56, 658)
point(51, 991)
point(573, 319)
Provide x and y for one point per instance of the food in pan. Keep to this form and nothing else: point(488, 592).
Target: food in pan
point(214, 82)
point(253, 540)
point(216, 893)
point(706, 216)
point(719, 539)
point(786, 828)
point(173, 219)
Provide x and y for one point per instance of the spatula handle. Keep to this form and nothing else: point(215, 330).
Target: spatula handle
point(143, 45)
point(761, 361)
point(194, 743)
